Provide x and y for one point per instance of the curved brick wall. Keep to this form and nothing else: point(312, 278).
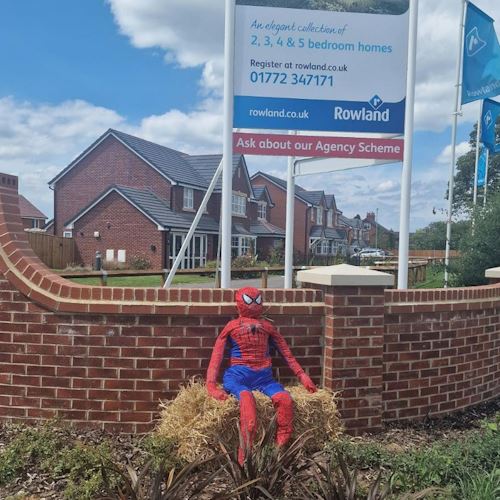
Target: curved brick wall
point(441, 350)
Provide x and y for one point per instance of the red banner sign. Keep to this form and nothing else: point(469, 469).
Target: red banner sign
point(321, 147)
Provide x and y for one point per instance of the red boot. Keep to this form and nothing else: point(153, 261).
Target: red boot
point(283, 404)
point(248, 424)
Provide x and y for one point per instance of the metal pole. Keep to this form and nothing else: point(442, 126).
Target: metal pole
point(376, 229)
point(194, 225)
point(227, 174)
point(404, 223)
point(454, 146)
point(478, 147)
point(486, 177)
point(289, 233)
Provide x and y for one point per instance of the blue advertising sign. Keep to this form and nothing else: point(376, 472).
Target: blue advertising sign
point(334, 65)
point(481, 167)
point(481, 66)
point(491, 112)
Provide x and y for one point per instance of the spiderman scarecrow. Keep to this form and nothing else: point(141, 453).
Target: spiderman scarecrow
point(250, 338)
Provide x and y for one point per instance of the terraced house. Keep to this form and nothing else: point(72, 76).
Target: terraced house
point(131, 199)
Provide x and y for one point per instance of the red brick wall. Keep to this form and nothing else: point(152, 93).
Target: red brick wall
point(441, 350)
point(111, 370)
point(110, 163)
point(277, 215)
point(128, 230)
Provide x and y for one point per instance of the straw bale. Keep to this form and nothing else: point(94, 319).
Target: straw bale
point(198, 422)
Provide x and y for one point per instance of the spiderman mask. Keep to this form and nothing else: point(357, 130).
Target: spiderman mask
point(249, 302)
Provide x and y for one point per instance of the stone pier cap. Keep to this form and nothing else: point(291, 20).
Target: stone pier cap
point(345, 275)
point(493, 273)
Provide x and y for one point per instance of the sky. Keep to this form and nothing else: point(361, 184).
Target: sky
point(154, 68)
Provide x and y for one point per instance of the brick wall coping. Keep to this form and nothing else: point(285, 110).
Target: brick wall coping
point(493, 273)
point(345, 275)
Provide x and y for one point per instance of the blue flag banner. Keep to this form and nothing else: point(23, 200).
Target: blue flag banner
point(481, 64)
point(491, 112)
point(481, 168)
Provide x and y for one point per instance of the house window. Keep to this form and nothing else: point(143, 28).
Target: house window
point(262, 211)
point(242, 245)
point(239, 205)
point(110, 255)
point(122, 256)
point(330, 218)
point(319, 216)
point(35, 223)
point(188, 199)
point(68, 234)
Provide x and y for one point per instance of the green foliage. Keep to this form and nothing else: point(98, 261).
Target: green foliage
point(481, 249)
point(443, 464)
point(463, 193)
point(161, 452)
point(140, 262)
point(480, 486)
point(31, 445)
point(433, 237)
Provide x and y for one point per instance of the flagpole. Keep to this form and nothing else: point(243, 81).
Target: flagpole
point(227, 168)
point(404, 223)
point(486, 176)
point(478, 147)
point(454, 143)
point(290, 219)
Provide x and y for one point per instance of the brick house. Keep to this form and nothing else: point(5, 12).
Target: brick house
point(130, 199)
point(30, 215)
point(377, 235)
point(317, 231)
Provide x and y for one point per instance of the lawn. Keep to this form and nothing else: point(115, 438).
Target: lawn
point(435, 278)
point(145, 281)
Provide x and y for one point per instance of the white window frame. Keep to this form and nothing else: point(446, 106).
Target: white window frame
point(319, 216)
point(121, 256)
point(239, 205)
point(330, 218)
point(262, 210)
point(244, 245)
point(110, 255)
point(67, 234)
point(188, 199)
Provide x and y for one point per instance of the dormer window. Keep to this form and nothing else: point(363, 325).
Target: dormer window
point(188, 199)
point(262, 210)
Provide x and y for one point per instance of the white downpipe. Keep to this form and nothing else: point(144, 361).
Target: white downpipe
point(404, 223)
point(194, 225)
point(227, 171)
point(486, 177)
point(478, 147)
point(454, 145)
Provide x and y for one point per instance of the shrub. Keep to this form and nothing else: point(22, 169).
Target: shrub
point(140, 262)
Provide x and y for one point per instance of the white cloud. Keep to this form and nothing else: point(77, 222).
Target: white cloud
point(445, 157)
point(38, 141)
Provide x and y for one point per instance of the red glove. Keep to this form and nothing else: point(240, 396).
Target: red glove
point(215, 392)
point(307, 382)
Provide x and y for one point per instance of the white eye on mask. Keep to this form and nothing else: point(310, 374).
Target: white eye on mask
point(247, 299)
point(258, 300)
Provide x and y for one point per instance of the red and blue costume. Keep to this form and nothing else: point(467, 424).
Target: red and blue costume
point(250, 339)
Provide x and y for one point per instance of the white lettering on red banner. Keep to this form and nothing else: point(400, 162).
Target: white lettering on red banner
point(321, 147)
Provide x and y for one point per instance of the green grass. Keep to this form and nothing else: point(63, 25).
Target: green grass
point(144, 281)
point(435, 279)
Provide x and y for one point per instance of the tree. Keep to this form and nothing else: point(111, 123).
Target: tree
point(433, 237)
point(463, 195)
point(481, 249)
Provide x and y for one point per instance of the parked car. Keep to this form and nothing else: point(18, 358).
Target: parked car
point(370, 253)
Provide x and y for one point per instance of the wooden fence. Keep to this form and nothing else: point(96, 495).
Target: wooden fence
point(55, 252)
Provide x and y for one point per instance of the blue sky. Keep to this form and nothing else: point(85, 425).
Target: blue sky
point(71, 69)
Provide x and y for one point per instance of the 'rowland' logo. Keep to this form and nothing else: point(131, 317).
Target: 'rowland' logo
point(364, 114)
